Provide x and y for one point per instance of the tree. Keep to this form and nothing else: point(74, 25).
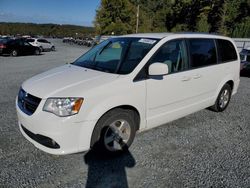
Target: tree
point(115, 16)
point(202, 24)
point(227, 17)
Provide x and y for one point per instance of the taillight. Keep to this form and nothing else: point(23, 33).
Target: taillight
point(2, 46)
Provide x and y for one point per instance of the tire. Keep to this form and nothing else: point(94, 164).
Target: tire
point(223, 99)
point(37, 52)
point(14, 53)
point(41, 48)
point(114, 132)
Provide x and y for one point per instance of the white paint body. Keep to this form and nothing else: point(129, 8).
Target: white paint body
point(157, 101)
point(43, 45)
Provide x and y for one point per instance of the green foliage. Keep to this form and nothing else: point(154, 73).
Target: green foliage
point(242, 29)
point(203, 25)
point(115, 17)
point(227, 17)
point(52, 30)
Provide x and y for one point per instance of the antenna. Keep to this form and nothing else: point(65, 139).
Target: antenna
point(137, 18)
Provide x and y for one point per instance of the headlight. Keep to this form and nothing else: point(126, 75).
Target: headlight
point(63, 106)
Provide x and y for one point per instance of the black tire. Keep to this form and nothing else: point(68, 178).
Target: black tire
point(41, 49)
point(103, 128)
point(14, 53)
point(218, 107)
point(37, 52)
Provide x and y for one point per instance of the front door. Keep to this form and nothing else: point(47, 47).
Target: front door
point(169, 95)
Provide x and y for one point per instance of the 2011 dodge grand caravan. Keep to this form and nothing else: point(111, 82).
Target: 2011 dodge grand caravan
point(125, 84)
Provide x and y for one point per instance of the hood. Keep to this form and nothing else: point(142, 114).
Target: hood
point(66, 81)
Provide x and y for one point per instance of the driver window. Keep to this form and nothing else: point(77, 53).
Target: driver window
point(172, 53)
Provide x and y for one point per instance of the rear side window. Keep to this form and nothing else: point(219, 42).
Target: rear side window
point(226, 51)
point(30, 40)
point(202, 52)
point(41, 40)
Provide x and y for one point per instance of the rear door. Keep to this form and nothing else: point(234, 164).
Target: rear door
point(190, 84)
point(206, 75)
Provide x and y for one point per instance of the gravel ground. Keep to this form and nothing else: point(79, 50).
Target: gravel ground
point(205, 149)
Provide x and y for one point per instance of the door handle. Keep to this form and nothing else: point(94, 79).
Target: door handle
point(186, 78)
point(197, 76)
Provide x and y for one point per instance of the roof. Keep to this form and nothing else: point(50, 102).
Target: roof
point(183, 34)
point(150, 35)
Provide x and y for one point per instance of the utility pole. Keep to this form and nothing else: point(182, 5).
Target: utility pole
point(137, 18)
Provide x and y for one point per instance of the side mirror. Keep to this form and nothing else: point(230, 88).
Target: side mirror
point(158, 69)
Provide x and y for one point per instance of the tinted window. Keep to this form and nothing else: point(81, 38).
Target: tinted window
point(242, 57)
point(226, 51)
point(41, 40)
point(202, 52)
point(248, 58)
point(172, 53)
point(30, 40)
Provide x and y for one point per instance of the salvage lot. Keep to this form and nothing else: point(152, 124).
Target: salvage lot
point(202, 149)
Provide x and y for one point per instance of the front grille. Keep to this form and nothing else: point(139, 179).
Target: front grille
point(27, 102)
point(43, 140)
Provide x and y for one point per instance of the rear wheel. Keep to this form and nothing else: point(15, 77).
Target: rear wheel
point(115, 131)
point(223, 99)
point(14, 53)
point(37, 52)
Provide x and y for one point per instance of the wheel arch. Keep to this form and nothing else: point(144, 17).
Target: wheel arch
point(227, 80)
point(231, 83)
point(95, 135)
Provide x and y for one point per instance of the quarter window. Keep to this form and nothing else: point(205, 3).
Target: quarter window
point(202, 52)
point(172, 53)
point(226, 51)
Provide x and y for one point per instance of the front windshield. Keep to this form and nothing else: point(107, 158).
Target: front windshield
point(242, 57)
point(116, 55)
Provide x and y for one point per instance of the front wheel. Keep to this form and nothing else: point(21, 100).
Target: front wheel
point(14, 53)
point(223, 99)
point(53, 48)
point(115, 131)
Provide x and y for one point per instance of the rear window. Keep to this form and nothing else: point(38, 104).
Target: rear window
point(202, 52)
point(3, 41)
point(226, 51)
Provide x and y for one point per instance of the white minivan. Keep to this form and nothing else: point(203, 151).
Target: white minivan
point(125, 84)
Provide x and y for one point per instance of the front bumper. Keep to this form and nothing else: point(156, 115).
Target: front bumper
point(58, 135)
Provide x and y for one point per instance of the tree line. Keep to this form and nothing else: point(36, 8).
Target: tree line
point(226, 17)
point(50, 30)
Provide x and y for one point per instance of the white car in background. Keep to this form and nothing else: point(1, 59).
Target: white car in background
point(43, 44)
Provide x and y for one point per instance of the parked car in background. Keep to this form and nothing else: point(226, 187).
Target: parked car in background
point(16, 47)
point(43, 44)
point(245, 58)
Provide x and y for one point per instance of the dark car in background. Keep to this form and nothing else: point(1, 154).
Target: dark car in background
point(245, 59)
point(16, 47)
